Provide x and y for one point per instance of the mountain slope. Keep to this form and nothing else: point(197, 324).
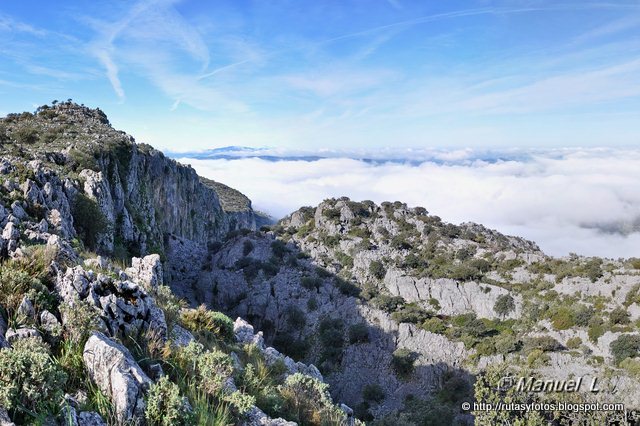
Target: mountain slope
point(94, 340)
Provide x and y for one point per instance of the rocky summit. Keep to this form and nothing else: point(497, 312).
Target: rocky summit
point(134, 292)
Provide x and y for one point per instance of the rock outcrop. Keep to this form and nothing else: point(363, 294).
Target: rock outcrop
point(112, 368)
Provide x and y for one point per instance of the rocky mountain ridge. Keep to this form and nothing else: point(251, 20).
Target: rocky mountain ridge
point(404, 315)
point(90, 339)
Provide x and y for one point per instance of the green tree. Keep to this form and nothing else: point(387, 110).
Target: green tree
point(504, 305)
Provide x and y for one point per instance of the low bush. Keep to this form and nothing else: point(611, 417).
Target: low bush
point(358, 333)
point(331, 334)
point(214, 367)
point(387, 303)
point(543, 343)
point(247, 247)
point(625, 346)
point(619, 316)
point(504, 305)
point(88, 220)
point(307, 401)
point(372, 393)
point(203, 320)
point(166, 407)
point(574, 342)
point(30, 380)
point(403, 361)
point(279, 249)
point(311, 283)
point(295, 317)
point(411, 313)
point(434, 325)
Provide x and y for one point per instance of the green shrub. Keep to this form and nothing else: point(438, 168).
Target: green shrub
point(294, 347)
point(434, 325)
point(307, 401)
point(504, 305)
point(403, 361)
point(347, 288)
point(537, 358)
point(203, 320)
point(331, 213)
point(312, 304)
point(596, 329)
point(543, 343)
point(633, 296)
point(583, 315)
point(563, 319)
point(632, 365)
point(574, 342)
point(16, 282)
point(358, 333)
point(88, 220)
point(247, 247)
point(507, 343)
point(166, 407)
point(344, 259)
point(388, 303)
point(29, 378)
point(411, 313)
point(619, 316)
point(295, 317)
point(279, 248)
point(214, 367)
point(435, 304)
point(240, 402)
point(311, 283)
point(372, 393)
point(331, 333)
point(26, 135)
point(80, 320)
point(625, 346)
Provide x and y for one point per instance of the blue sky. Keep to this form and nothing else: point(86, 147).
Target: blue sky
point(189, 75)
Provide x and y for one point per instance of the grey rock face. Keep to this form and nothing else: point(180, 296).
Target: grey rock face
point(125, 307)
point(112, 368)
point(90, 418)
point(4, 418)
point(147, 271)
point(180, 337)
point(21, 333)
point(26, 308)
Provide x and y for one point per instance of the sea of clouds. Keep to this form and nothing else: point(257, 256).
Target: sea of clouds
point(585, 201)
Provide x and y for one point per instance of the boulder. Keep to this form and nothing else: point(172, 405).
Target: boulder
point(90, 418)
point(21, 333)
point(4, 418)
point(147, 271)
point(180, 336)
point(112, 368)
point(26, 308)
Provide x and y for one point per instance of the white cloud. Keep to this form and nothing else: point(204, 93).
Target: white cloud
point(566, 201)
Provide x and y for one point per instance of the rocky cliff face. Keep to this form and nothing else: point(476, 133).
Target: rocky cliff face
point(382, 285)
point(144, 197)
point(399, 310)
point(88, 342)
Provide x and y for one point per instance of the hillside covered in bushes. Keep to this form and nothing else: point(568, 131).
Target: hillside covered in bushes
point(132, 291)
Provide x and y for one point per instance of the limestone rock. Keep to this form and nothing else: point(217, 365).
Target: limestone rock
point(180, 336)
point(21, 333)
point(4, 418)
point(112, 368)
point(147, 271)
